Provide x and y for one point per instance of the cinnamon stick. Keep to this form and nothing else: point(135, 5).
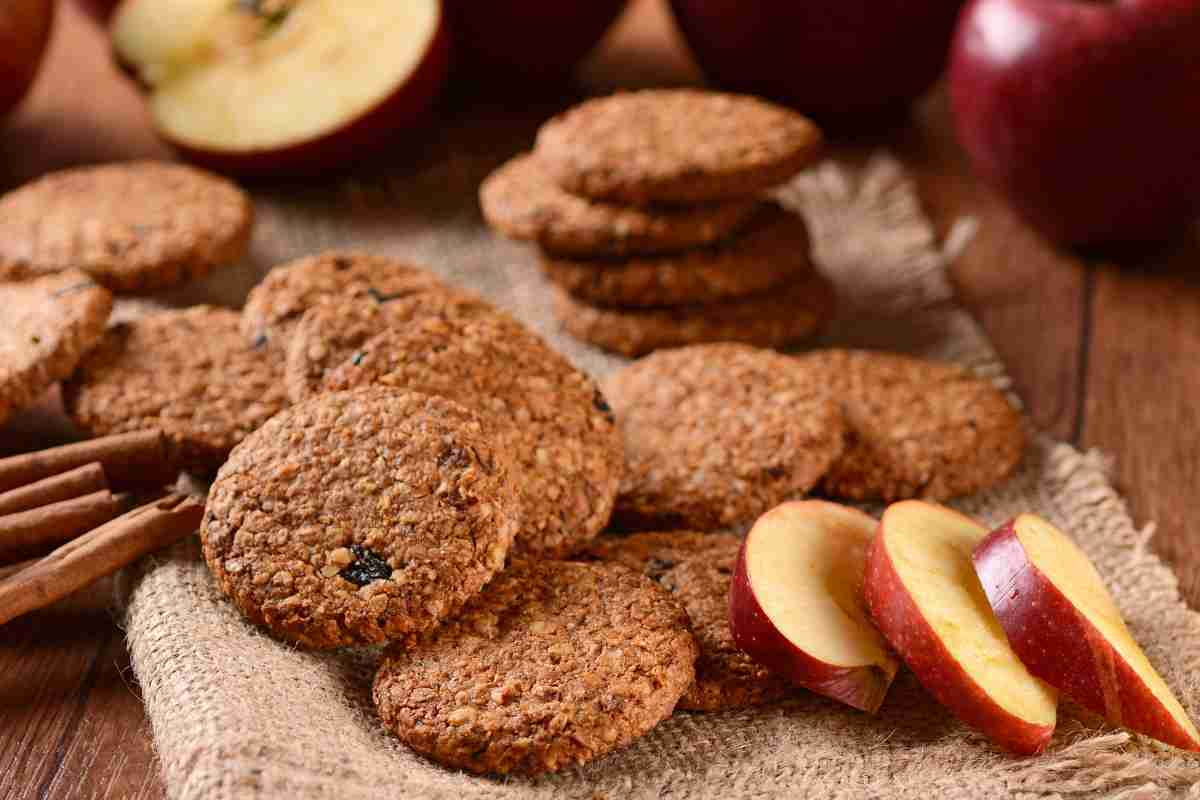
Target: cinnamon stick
point(130, 460)
point(76, 483)
point(12, 569)
point(98, 553)
point(38, 530)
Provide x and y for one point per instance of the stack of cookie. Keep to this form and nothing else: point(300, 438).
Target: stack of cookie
point(650, 212)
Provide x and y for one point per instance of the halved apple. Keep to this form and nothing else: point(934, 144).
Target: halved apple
point(282, 86)
point(1064, 625)
point(924, 595)
point(796, 604)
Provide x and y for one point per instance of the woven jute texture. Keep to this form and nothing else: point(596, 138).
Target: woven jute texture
point(236, 714)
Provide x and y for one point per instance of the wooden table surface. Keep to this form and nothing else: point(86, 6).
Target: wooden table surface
point(1104, 355)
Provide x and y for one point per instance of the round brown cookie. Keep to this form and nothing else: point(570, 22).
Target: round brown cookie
point(549, 415)
point(677, 146)
point(793, 311)
point(134, 227)
point(717, 434)
point(772, 251)
point(359, 517)
point(914, 428)
point(186, 371)
point(287, 291)
point(331, 332)
point(697, 569)
point(522, 202)
point(554, 664)
point(49, 323)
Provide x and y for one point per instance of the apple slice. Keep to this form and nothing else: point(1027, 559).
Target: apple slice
point(796, 606)
point(282, 86)
point(923, 594)
point(1064, 625)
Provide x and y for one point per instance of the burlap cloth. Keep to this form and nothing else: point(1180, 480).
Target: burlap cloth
point(236, 714)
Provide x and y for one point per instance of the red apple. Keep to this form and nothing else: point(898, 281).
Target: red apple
point(1084, 114)
point(521, 42)
point(796, 604)
point(24, 31)
point(283, 86)
point(1064, 625)
point(847, 63)
point(924, 595)
point(99, 10)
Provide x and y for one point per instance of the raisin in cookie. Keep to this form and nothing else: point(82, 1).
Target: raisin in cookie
point(551, 417)
point(359, 517)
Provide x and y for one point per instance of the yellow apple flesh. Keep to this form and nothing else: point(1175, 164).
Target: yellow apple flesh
point(796, 604)
point(1065, 626)
point(925, 598)
point(283, 86)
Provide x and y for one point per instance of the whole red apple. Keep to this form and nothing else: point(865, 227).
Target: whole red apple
point(1085, 115)
point(847, 63)
point(525, 42)
point(24, 32)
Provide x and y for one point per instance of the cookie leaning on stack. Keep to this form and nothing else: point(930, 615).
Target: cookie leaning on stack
point(649, 211)
point(717, 434)
point(343, 320)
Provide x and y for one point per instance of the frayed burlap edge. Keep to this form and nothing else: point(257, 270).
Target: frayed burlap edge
point(237, 715)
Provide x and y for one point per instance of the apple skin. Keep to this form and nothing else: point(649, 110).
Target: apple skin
point(902, 624)
point(1083, 114)
point(519, 44)
point(849, 64)
point(1059, 645)
point(863, 688)
point(346, 147)
point(24, 32)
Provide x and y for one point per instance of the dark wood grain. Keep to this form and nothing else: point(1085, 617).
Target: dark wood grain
point(1031, 300)
point(1103, 356)
point(73, 723)
point(1141, 394)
